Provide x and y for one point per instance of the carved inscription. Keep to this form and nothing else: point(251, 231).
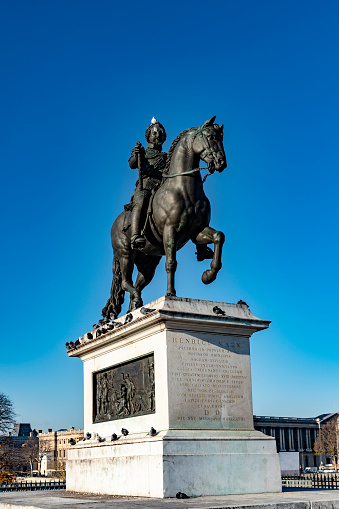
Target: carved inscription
point(124, 390)
point(211, 380)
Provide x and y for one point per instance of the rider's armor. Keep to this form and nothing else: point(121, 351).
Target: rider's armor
point(153, 163)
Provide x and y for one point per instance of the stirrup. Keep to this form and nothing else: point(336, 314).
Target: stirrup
point(138, 241)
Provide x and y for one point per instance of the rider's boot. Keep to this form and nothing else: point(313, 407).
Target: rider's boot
point(137, 240)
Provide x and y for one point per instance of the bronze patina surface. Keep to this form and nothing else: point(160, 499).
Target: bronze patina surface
point(171, 204)
point(124, 390)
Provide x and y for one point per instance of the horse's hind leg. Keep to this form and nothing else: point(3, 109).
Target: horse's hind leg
point(209, 236)
point(127, 265)
point(146, 266)
point(170, 248)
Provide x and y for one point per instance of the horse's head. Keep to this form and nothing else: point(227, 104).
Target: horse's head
point(209, 146)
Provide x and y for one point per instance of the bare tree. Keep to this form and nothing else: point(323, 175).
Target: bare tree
point(7, 414)
point(327, 441)
point(30, 453)
point(10, 458)
point(61, 469)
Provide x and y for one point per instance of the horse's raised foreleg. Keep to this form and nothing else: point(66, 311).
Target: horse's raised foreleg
point(127, 265)
point(209, 236)
point(170, 248)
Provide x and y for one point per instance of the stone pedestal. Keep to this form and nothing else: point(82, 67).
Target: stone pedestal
point(182, 367)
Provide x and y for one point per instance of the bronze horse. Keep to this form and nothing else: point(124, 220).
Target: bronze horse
point(180, 211)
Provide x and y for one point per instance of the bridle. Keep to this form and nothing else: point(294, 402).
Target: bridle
point(207, 150)
point(189, 172)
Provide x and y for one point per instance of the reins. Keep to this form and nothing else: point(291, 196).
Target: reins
point(189, 172)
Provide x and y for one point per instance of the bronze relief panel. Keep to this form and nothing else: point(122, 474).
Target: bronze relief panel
point(124, 390)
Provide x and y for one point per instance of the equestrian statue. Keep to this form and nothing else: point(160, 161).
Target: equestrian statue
point(167, 209)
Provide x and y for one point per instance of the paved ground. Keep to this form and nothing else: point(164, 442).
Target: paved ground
point(313, 499)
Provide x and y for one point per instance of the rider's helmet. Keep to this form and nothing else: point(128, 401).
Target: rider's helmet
point(155, 123)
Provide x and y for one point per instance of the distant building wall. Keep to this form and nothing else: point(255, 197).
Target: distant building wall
point(289, 463)
point(295, 434)
point(53, 447)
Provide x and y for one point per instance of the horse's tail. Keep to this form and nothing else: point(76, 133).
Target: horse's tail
point(116, 300)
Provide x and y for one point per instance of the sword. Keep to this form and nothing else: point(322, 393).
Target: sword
point(139, 168)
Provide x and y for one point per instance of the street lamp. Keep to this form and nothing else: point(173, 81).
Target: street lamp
point(318, 422)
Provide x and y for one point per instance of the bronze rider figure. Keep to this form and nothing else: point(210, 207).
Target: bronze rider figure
point(153, 161)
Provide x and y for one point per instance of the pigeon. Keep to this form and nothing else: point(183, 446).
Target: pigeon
point(124, 431)
point(114, 436)
point(181, 495)
point(218, 311)
point(145, 311)
point(129, 318)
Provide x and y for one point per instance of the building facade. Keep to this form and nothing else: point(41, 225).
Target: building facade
point(295, 434)
point(21, 432)
point(53, 448)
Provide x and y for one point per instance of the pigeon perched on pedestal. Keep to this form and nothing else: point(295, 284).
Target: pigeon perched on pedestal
point(218, 311)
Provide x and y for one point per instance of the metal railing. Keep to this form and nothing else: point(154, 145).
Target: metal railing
point(33, 486)
point(312, 481)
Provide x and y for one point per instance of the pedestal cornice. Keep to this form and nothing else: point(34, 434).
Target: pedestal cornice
point(174, 313)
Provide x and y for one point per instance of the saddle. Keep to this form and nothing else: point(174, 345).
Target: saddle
point(148, 228)
point(151, 233)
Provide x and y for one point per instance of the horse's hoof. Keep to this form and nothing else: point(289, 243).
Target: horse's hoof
point(135, 305)
point(208, 277)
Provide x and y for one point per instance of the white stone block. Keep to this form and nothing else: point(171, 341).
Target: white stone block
point(205, 442)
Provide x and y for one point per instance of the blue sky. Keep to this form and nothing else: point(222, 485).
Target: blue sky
point(80, 83)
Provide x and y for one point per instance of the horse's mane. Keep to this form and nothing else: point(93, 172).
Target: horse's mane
point(174, 144)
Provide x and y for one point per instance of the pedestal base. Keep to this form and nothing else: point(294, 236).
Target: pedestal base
point(182, 366)
point(198, 464)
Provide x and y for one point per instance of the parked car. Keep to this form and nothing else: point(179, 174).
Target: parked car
point(327, 469)
point(310, 470)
